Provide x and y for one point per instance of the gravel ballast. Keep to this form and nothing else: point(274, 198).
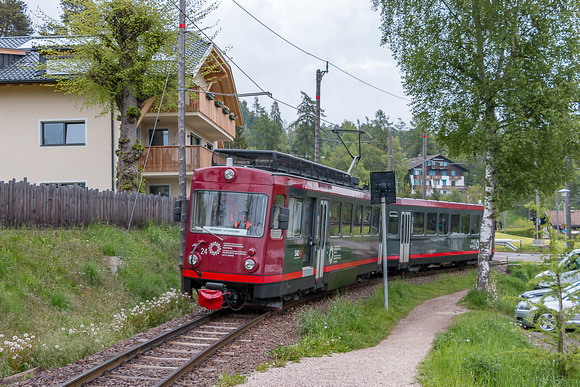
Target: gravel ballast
point(391, 363)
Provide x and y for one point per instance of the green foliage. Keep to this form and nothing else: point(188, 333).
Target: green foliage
point(60, 300)
point(482, 349)
point(348, 325)
point(13, 18)
point(227, 379)
point(491, 82)
point(116, 51)
point(302, 140)
point(55, 283)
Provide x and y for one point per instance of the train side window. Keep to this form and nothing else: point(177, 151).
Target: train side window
point(454, 223)
point(465, 224)
point(367, 221)
point(418, 223)
point(443, 224)
point(295, 221)
point(357, 220)
point(376, 221)
point(431, 223)
point(346, 223)
point(279, 201)
point(393, 223)
point(475, 223)
point(334, 219)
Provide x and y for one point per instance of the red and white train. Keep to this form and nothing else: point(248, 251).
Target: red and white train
point(265, 227)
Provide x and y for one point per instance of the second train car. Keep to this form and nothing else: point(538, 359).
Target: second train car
point(265, 227)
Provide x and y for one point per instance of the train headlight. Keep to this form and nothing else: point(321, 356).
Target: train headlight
point(250, 264)
point(193, 259)
point(229, 174)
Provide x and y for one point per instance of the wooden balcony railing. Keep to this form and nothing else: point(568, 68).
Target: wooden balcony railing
point(166, 158)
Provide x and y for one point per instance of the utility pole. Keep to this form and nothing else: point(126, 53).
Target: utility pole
point(390, 148)
point(568, 202)
point(319, 75)
point(181, 123)
point(425, 165)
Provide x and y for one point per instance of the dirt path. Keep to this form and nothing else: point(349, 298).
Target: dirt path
point(391, 363)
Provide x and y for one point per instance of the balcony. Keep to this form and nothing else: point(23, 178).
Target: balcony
point(166, 158)
point(202, 116)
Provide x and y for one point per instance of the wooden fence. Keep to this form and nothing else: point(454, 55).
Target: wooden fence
point(24, 204)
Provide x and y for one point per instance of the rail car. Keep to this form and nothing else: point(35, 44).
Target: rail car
point(265, 227)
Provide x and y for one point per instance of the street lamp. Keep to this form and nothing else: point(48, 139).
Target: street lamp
point(567, 215)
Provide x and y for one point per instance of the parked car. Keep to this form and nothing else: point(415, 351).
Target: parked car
point(571, 270)
point(540, 307)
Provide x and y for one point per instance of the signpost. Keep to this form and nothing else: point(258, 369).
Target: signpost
point(383, 192)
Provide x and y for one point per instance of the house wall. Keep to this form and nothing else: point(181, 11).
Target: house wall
point(23, 109)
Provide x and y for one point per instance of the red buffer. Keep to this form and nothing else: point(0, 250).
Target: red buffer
point(210, 299)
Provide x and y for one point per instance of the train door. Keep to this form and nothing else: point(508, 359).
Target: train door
point(405, 235)
point(321, 242)
point(310, 227)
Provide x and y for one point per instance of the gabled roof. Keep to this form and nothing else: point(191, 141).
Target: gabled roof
point(20, 61)
point(417, 162)
point(25, 58)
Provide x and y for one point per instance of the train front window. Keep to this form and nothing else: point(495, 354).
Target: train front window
point(229, 213)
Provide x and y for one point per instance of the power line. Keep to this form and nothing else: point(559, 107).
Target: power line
point(317, 57)
point(222, 52)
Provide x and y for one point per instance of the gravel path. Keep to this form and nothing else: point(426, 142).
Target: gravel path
point(391, 363)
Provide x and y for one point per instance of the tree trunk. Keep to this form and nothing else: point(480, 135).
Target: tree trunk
point(130, 149)
point(487, 228)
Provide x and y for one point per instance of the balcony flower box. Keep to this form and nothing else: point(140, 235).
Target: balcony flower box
point(226, 110)
point(218, 103)
point(232, 116)
point(210, 96)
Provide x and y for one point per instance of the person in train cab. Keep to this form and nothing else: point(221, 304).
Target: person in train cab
point(243, 222)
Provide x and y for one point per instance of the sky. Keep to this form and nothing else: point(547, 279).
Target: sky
point(343, 32)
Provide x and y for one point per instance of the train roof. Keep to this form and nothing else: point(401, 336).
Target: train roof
point(283, 163)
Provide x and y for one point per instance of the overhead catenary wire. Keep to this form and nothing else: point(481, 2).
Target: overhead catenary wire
point(222, 52)
point(317, 57)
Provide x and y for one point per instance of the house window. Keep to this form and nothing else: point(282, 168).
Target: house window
point(162, 190)
point(209, 145)
point(193, 139)
point(443, 173)
point(159, 137)
point(63, 133)
point(417, 172)
point(444, 182)
point(452, 173)
point(432, 173)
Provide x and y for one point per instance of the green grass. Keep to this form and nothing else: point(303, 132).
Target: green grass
point(56, 286)
point(486, 347)
point(353, 325)
point(527, 244)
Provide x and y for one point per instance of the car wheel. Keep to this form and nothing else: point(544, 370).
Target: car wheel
point(547, 322)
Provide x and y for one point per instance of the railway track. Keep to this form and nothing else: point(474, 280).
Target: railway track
point(165, 358)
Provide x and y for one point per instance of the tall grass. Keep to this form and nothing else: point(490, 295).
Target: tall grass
point(351, 325)
point(56, 286)
point(486, 347)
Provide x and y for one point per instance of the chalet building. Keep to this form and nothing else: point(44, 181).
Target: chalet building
point(557, 220)
point(441, 174)
point(49, 138)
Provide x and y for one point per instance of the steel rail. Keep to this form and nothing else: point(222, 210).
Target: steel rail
point(115, 361)
point(199, 358)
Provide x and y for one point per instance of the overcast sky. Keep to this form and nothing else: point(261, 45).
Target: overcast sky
point(344, 32)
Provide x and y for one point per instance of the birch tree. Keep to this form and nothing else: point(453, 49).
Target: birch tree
point(493, 78)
